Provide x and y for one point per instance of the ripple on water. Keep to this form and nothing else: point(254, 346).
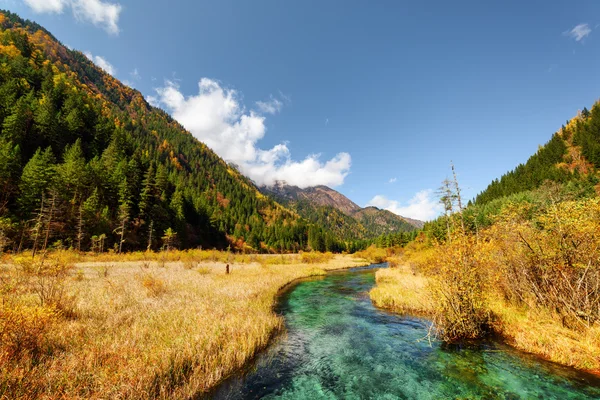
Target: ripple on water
point(338, 345)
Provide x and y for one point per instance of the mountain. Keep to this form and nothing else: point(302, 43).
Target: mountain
point(417, 223)
point(329, 208)
point(387, 220)
point(317, 195)
point(86, 162)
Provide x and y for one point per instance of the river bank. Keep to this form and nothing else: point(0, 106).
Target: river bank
point(155, 328)
point(405, 291)
point(337, 344)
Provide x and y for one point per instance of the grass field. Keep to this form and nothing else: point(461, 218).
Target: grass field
point(403, 291)
point(160, 326)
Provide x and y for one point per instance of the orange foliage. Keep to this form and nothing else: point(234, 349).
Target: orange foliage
point(176, 163)
point(9, 50)
point(164, 145)
point(223, 202)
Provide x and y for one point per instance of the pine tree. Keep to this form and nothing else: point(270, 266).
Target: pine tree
point(37, 177)
point(17, 124)
point(10, 162)
point(124, 212)
point(71, 173)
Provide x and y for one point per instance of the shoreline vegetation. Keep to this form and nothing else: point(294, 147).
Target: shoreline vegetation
point(140, 325)
point(521, 262)
point(402, 292)
point(412, 286)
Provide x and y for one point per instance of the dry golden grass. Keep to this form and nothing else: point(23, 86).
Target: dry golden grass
point(403, 291)
point(374, 254)
point(315, 257)
point(531, 330)
point(188, 257)
point(539, 332)
point(143, 329)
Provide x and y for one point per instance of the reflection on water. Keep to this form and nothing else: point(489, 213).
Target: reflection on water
point(338, 345)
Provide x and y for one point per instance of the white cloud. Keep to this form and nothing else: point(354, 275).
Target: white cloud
point(392, 180)
point(580, 32)
point(153, 100)
point(423, 206)
point(97, 12)
point(102, 63)
point(216, 117)
point(271, 106)
point(47, 6)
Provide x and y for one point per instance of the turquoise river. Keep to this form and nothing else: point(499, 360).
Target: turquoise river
point(337, 345)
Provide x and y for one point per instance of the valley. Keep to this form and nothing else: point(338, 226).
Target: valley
point(141, 257)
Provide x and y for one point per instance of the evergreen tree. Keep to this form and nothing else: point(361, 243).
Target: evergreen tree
point(37, 177)
point(10, 163)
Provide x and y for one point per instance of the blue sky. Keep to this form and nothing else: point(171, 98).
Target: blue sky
point(372, 98)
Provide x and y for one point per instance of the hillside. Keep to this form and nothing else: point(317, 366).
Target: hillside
point(572, 154)
point(565, 168)
point(385, 221)
point(331, 209)
point(522, 261)
point(86, 162)
point(317, 195)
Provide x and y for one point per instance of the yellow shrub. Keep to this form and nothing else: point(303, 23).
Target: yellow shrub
point(24, 330)
point(373, 254)
point(315, 257)
point(552, 259)
point(394, 261)
point(203, 270)
point(46, 278)
point(155, 287)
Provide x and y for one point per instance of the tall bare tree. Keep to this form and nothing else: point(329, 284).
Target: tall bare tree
point(458, 196)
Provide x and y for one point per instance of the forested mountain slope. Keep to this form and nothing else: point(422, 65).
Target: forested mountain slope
point(565, 168)
point(86, 162)
point(317, 195)
point(384, 221)
point(572, 154)
point(334, 211)
point(523, 260)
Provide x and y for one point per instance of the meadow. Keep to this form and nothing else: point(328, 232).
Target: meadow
point(139, 325)
point(402, 290)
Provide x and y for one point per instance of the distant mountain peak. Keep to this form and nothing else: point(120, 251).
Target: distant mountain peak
point(371, 220)
point(414, 222)
point(319, 195)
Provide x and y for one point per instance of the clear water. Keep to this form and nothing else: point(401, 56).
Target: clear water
point(339, 346)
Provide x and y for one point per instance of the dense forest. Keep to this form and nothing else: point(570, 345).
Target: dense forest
point(87, 163)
